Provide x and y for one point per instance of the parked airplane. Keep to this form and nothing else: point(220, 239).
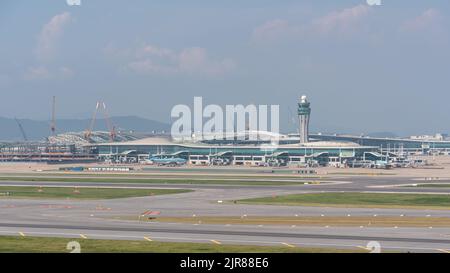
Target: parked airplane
point(382, 164)
point(166, 161)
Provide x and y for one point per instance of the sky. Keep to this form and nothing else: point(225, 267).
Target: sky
point(364, 68)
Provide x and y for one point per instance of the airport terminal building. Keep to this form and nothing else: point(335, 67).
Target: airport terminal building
point(248, 148)
point(393, 144)
point(255, 148)
point(237, 154)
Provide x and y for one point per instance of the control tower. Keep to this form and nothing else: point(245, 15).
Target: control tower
point(304, 111)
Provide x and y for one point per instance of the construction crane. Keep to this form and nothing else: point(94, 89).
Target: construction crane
point(53, 124)
point(112, 129)
point(22, 131)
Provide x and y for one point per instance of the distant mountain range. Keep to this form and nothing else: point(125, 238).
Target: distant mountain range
point(38, 130)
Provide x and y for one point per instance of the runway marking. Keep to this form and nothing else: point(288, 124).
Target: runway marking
point(362, 247)
point(288, 245)
point(216, 242)
point(443, 250)
point(148, 239)
point(63, 234)
point(22, 234)
point(83, 236)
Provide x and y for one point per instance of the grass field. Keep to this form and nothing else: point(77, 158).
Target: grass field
point(12, 244)
point(156, 180)
point(81, 193)
point(356, 200)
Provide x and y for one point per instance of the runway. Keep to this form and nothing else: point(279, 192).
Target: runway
point(96, 218)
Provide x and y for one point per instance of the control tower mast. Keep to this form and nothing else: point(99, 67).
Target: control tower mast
point(304, 111)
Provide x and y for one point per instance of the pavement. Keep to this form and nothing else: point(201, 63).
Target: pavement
point(98, 218)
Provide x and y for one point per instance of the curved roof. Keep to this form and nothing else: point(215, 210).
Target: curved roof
point(167, 141)
point(251, 134)
point(143, 141)
point(331, 144)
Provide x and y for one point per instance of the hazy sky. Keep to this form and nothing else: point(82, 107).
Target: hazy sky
point(364, 68)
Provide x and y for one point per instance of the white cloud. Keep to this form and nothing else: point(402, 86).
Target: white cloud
point(147, 66)
point(42, 72)
point(157, 51)
point(65, 72)
point(50, 34)
point(195, 60)
point(151, 59)
point(344, 21)
point(341, 21)
point(272, 29)
point(46, 49)
point(430, 27)
point(428, 20)
point(37, 73)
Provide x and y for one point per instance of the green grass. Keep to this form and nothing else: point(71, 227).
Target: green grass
point(356, 200)
point(81, 193)
point(179, 180)
point(10, 244)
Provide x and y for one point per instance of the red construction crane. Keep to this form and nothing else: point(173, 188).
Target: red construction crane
point(111, 128)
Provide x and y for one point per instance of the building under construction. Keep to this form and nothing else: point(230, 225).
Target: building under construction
point(63, 147)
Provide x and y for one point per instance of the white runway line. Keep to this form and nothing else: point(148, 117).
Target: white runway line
point(75, 235)
point(362, 247)
point(288, 245)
